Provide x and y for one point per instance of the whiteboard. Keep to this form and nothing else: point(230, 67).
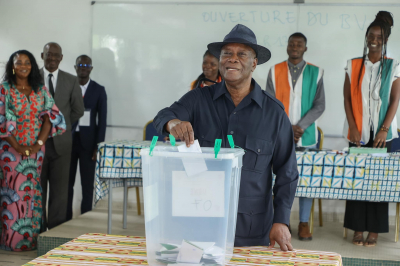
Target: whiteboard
point(147, 54)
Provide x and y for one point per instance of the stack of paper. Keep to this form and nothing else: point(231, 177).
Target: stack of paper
point(191, 254)
point(366, 150)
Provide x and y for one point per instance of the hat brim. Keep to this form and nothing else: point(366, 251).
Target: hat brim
point(263, 54)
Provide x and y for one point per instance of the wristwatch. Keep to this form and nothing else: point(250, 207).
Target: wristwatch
point(40, 142)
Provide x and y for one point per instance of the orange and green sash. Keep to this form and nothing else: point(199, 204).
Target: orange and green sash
point(283, 93)
point(356, 94)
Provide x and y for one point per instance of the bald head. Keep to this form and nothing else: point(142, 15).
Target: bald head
point(52, 56)
point(47, 46)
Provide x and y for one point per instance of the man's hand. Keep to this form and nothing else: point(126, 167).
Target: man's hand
point(181, 130)
point(94, 156)
point(280, 233)
point(298, 132)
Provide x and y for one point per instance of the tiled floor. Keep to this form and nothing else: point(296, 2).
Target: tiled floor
point(330, 238)
point(326, 238)
point(16, 258)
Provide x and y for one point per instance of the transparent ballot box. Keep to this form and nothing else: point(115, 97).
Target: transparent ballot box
point(190, 203)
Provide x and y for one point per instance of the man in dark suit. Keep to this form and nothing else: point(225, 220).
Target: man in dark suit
point(67, 94)
point(86, 134)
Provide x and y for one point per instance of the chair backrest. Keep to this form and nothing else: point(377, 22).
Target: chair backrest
point(395, 143)
point(320, 142)
point(149, 131)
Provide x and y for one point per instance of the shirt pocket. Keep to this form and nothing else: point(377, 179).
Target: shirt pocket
point(258, 154)
point(208, 139)
point(252, 217)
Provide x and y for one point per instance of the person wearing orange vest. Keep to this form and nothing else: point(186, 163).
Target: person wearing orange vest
point(371, 99)
point(299, 86)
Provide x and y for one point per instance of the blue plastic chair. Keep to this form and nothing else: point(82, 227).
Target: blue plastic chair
point(150, 131)
point(396, 143)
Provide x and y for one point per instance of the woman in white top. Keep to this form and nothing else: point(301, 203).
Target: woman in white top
point(371, 98)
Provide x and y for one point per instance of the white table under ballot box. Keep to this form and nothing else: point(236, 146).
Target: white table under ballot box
point(190, 203)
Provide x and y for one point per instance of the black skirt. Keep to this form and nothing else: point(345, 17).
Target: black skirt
point(364, 215)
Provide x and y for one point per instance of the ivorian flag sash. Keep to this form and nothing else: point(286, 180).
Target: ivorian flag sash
point(298, 101)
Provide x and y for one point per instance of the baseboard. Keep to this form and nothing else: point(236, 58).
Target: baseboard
point(332, 217)
point(47, 243)
point(368, 262)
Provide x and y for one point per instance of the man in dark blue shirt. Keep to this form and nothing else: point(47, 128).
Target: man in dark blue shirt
point(258, 123)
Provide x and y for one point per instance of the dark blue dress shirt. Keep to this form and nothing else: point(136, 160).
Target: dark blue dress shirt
point(261, 127)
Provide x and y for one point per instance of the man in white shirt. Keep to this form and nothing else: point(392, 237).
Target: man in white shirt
point(86, 134)
point(67, 95)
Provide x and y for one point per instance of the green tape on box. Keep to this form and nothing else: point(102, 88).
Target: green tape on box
point(153, 144)
point(217, 147)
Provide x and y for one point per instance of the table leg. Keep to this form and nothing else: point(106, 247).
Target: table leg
point(139, 210)
point(397, 222)
point(109, 206)
point(344, 232)
point(125, 202)
point(320, 212)
point(312, 217)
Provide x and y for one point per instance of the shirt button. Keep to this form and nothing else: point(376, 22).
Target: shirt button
point(232, 132)
point(234, 113)
point(294, 80)
point(259, 150)
point(202, 136)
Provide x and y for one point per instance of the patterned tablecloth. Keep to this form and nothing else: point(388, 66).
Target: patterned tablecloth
point(356, 177)
point(102, 250)
point(322, 175)
point(119, 160)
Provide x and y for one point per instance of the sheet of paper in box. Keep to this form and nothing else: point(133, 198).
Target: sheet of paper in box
point(193, 166)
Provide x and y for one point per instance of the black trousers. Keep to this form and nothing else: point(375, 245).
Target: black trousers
point(87, 170)
point(364, 215)
point(55, 178)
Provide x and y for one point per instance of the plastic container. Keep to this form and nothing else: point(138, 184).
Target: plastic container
point(198, 209)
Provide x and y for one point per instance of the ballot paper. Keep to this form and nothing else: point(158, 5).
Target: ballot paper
point(191, 253)
point(185, 264)
point(193, 166)
point(84, 121)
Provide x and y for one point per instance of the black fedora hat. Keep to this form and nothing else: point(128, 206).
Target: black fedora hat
point(244, 35)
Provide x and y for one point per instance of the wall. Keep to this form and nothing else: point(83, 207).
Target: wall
point(31, 24)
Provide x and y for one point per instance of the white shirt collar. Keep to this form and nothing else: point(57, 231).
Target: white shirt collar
point(54, 78)
point(84, 87)
point(46, 73)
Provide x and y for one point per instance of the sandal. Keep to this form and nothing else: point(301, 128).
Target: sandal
point(371, 241)
point(358, 238)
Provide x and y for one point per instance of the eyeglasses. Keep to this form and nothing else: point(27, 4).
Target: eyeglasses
point(84, 66)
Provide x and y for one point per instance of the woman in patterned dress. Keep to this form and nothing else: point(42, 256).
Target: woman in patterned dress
point(28, 116)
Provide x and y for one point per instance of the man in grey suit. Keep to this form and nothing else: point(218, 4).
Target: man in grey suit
point(67, 94)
